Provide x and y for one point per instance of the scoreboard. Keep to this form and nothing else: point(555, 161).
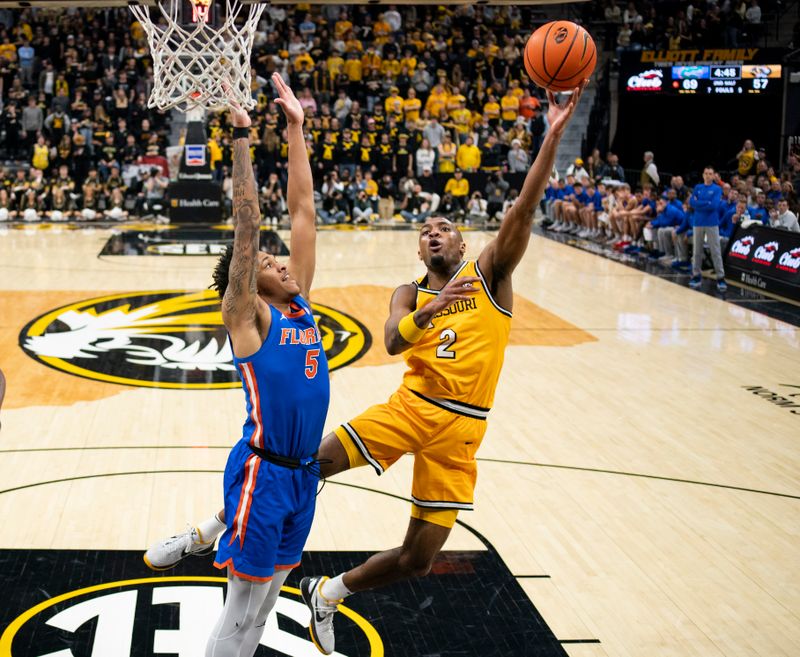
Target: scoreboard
point(719, 77)
point(726, 78)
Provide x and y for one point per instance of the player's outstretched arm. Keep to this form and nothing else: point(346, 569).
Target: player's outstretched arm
point(300, 192)
point(500, 257)
point(239, 304)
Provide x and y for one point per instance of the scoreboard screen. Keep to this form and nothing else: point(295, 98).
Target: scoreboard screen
point(702, 78)
point(725, 78)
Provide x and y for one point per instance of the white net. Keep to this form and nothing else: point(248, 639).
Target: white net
point(200, 64)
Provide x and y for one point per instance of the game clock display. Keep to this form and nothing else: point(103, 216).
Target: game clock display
point(721, 78)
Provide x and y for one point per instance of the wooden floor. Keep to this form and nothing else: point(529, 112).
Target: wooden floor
point(625, 457)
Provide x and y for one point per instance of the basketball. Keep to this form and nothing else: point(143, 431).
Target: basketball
point(560, 55)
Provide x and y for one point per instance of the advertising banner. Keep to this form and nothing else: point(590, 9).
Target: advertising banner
point(765, 258)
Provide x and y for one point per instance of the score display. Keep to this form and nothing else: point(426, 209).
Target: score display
point(725, 78)
point(714, 78)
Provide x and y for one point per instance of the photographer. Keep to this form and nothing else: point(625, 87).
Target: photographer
point(151, 196)
point(416, 208)
point(362, 208)
point(334, 205)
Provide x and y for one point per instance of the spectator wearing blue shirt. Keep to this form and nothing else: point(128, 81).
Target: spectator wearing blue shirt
point(588, 213)
point(638, 217)
point(729, 199)
point(775, 192)
point(572, 209)
point(564, 194)
point(705, 201)
point(681, 238)
point(668, 218)
point(26, 55)
point(307, 27)
point(759, 212)
point(727, 223)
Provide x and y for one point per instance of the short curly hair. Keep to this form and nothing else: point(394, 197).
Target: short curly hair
point(221, 269)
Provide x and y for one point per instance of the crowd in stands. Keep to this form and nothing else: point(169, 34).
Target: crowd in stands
point(666, 24)
point(409, 110)
point(657, 215)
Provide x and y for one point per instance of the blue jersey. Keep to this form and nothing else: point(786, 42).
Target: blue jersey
point(286, 385)
point(705, 200)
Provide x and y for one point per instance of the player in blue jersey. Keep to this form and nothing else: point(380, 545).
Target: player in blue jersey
point(271, 476)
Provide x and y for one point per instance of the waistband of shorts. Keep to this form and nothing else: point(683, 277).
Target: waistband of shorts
point(457, 407)
point(278, 459)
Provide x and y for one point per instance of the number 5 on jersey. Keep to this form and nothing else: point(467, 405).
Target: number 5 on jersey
point(311, 363)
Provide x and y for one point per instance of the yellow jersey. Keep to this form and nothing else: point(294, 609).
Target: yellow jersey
point(457, 363)
point(510, 105)
point(411, 107)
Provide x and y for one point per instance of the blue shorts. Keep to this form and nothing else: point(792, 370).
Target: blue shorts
point(269, 510)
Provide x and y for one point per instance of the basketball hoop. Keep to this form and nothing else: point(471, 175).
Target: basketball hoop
point(200, 65)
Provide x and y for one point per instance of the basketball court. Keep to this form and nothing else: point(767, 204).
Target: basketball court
point(638, 487)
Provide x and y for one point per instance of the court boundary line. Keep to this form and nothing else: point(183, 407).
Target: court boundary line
point(557, 466)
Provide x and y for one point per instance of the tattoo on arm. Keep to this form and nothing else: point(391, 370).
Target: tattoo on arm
point(246, 220)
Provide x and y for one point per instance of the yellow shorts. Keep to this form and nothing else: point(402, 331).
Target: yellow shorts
point(443, 442)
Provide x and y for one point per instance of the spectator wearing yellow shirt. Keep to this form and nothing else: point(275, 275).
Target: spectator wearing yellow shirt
point(371, 187)
point(394, 104)
point(447, 154)
point(412, 106)
point(353, 68)
point(390, 66)
point(62, 85)
point(515, 89)
point(492, 110)
point(137, 31)
point(409, 61)
point(458, 187)
point(335, 64)
point(214, 152)
point(381, 29)
point(303, 62)
point(509, 105)
point(370, 62)
point(353, 43)
point(8, 50)
point(455, 100)
point(468, 156)
point(492, 49)
point(342, 26)
point(437, 100)
point(461, 118)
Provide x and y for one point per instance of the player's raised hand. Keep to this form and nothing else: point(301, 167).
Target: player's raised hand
point(239, 116)
point(559, 115)
point(288, 101)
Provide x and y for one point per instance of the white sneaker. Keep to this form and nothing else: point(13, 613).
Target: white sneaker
point(321, 626)
point(170, 552)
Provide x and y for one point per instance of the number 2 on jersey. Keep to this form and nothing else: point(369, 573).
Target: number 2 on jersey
point(448, 338)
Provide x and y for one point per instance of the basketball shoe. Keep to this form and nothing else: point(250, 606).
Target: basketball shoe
point(322, 611)
point(171, 551)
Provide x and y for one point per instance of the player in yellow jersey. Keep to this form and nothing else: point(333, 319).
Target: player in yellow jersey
point(452, 327)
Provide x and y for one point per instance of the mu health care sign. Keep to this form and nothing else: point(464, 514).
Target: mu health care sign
point(765, 258)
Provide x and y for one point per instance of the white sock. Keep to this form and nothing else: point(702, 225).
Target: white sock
point(210, 529)
point(334, 589)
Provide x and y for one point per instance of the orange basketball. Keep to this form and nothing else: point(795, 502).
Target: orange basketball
point(560, 55)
